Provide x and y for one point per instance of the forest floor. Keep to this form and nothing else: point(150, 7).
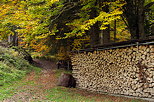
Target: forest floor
point(41, 87)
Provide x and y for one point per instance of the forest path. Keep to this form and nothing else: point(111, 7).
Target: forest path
point(36, 92)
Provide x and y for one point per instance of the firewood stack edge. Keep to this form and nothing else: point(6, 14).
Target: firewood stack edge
point(123, 71)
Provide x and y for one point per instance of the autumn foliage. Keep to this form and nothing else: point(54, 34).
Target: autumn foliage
point(47, 25)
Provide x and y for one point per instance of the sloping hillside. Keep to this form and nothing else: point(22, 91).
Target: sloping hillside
point(12, 65)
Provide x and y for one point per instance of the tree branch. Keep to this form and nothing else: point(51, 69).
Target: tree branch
point(147, 7)
point(123, 18)
point(67, 7)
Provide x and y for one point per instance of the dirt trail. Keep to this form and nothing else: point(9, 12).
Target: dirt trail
point(36, 92)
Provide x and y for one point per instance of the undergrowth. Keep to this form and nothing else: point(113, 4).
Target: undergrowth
point(12, 66)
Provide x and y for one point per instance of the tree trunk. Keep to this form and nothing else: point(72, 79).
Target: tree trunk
point(134, 13)
point(141, 19)
point(13, 39)
point(115, 30)
point(94, 35)
point(152, 30)
point(106, 35)
point(94, 31)
point(106, 32)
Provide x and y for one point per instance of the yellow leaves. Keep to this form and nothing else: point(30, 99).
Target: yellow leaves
point(62, 53)
point(14, 12)
point(83, 24)
point(105, 18)
point(14, 1)
point(39, 46)
point(42, 36)
point(88, 23)
point(103, 28)
point(50, 2)
point(3, 11)
point(53, 1)
point(78, 43)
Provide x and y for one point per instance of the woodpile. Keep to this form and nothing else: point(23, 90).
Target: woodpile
point(125, 71)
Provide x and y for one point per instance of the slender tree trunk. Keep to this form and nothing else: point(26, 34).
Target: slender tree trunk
point(106, 32)
point(13, 39)
point(152, 30)
point(106, 35)
point(94, 31)
point(115, 30)
point(10, 38)
point(141, 19)
point(94, 35)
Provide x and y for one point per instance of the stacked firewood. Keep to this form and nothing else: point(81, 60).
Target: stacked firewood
point(125, 71)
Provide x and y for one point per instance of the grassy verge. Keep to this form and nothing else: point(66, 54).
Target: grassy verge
point(62, 94)
point(9, 89)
